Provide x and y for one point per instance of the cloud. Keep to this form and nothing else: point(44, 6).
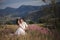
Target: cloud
point(35, 3)
point(18, 3)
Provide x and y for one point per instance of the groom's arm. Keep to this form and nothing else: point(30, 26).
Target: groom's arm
point(26, 25)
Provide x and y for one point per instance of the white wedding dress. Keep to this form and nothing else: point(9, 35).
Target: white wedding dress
point(21, 29)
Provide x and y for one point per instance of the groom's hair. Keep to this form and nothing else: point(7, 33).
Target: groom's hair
point(19, 19)
point(23, 19)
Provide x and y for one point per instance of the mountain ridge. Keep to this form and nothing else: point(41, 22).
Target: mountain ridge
point(21, 10)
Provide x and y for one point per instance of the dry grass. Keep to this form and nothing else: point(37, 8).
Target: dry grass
point(31, 35)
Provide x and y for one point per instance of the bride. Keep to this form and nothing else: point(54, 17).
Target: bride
point(22, 27)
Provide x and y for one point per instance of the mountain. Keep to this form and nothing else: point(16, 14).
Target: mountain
point(33, 13)
point(21, 11)
point(9, 13)
point(6, 11)
point(45, 14)
point(27, 8)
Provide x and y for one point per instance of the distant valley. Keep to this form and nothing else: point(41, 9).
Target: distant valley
point(27, 12)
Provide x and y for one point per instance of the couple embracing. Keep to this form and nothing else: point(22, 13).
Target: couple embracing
point(22, 27)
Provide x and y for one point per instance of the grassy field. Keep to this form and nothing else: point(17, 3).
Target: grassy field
point(6, 30)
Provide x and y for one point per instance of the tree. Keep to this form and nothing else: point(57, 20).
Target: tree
point(53, 3)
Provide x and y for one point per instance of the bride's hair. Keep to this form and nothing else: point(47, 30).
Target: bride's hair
point(17, 21)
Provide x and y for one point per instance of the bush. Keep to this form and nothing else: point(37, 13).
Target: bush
point(42, 20)
point(31, 22)
point(9, 22)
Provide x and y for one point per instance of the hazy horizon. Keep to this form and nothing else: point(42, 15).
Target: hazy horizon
point(18, 3)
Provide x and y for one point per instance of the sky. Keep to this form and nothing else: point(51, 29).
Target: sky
point(18, 3)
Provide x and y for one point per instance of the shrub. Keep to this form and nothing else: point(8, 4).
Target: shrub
point(9, 22)
point(31, 22)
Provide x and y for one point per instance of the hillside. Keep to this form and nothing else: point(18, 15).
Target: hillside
point(9, 13)
point(34, 13)
point(45, 14)
point(18, 12)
